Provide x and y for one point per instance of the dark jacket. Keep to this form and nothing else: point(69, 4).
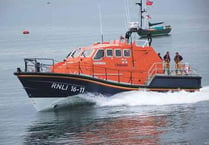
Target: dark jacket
point(167, 58)
point(178, 58)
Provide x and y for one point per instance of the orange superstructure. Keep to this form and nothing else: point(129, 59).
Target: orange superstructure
point(115, 61)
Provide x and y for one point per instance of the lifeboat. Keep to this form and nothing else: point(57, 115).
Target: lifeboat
point(26, 32)
point(103, 68)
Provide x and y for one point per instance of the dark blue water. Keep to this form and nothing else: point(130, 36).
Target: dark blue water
point(129, 118)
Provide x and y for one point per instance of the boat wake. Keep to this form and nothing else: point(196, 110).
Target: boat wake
point(130, 98)
point(136, 98)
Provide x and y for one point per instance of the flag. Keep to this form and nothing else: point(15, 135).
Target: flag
point(148, 17)
point(149, 3)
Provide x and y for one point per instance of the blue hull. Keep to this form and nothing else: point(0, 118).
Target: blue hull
point(176, 82)
point(49, 85)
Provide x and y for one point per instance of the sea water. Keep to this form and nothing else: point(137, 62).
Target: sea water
point(136, 117)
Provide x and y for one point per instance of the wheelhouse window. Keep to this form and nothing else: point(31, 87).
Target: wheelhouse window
point(76, 52)
point(99, 54)
point(109, 53)
point(87, 52)
point(118, 53)
point(126, 53)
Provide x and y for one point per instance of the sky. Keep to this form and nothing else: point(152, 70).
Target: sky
point(71, 12)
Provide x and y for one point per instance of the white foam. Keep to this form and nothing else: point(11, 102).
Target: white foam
point(44, 104)
point(135, 98)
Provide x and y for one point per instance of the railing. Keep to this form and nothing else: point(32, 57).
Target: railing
point(155, 68)
point(39, 65)
point(43, 65)
point(119, 75)
point(130, 76)
point(160, 68)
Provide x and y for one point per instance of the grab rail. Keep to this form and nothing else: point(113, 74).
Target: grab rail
point(119, 75)
point(44, 65)
point(111, 74)
point(39, 64)
point(160, 68)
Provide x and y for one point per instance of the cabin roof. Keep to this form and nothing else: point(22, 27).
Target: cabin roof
point(114, 43)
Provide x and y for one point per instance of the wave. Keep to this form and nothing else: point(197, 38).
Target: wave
point(136, 98)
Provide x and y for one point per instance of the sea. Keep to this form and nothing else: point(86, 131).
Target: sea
point(130, 118)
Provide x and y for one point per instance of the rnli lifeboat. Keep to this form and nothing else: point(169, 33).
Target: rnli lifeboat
point(106, 68)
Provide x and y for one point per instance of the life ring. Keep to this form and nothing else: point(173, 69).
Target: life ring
point(187, 68)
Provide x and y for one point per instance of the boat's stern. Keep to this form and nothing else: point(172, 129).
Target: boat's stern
point(189, 83)
point(173, 79)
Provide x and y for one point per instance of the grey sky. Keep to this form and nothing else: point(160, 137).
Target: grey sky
point(65, 12)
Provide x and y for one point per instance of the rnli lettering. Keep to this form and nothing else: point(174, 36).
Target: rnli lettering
point(59, 86)
point(68, 87)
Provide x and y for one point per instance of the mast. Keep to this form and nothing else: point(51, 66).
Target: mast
point(141, 17)
point(141, 13)
point(100, 21)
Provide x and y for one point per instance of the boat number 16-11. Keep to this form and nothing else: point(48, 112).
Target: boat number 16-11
point(77, 89)
point(66, 87)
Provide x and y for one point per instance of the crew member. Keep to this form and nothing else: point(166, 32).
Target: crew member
point(178, 58)
point(167, 60)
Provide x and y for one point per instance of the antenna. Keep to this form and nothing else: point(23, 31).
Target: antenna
point(127, 12)
point(100, 21)
point(140, 4)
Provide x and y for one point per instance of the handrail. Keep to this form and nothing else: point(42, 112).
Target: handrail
point(39, 64)
point(184, 69)
point(131, 76)
point(106, 73)
point(44, 65)
point(154, 69)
